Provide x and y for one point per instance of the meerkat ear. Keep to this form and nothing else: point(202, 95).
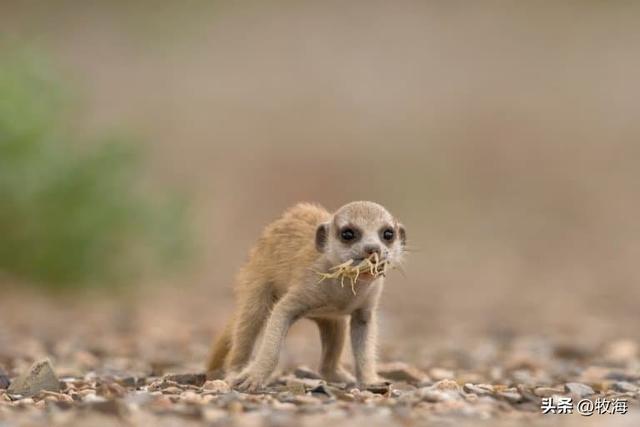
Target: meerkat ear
point(403, 234)
point(321, 237)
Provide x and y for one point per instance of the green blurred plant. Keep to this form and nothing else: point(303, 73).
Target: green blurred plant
point(73, 212)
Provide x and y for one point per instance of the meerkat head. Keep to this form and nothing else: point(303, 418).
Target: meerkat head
point(358, 230)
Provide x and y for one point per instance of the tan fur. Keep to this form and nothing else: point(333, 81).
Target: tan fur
point(279, 284)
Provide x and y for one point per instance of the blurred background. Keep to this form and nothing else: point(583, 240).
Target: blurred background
point(144, 145)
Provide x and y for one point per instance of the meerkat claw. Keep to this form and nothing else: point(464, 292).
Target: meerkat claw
point(248, 382)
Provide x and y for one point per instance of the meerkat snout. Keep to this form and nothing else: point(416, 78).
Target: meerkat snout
point(371, 249)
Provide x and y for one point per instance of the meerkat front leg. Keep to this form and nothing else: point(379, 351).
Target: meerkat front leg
point(285, 312)
point(332, 335)
point(364, 339)
point(363, 342)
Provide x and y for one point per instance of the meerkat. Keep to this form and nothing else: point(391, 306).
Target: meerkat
point(279, 285)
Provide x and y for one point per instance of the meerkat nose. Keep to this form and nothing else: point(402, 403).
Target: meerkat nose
point(371, 249)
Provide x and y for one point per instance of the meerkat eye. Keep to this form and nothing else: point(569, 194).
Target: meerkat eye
point(347, 234)
point(388, 234)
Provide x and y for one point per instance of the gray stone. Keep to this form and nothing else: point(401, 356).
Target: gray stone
point(624, 386)
point(622, 376)
point(161, 384)
point(216, 386)
point(4, 379)
point(307, 382)
point(295, 387)
point(579, 390)
point(378, 388)
point(341, 394)
point(197, 380)
point(548, 391)
point(446, 385)
point(322, 390)
point(442, 391)
point(431, 394)
point(303, 399)
point(402, 387)
point(479, 389)
point(304, 372)
point(228, 398)
point(510, 396)
point(439, 374)
point(130, 382)
point(39, 377)
point(527, 394)
point(398, 371)
point(172, 390)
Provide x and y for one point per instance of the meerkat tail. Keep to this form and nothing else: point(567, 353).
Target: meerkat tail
point(221, 349)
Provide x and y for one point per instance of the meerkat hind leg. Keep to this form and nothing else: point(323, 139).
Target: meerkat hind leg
point(249, 321)
point(332, 335)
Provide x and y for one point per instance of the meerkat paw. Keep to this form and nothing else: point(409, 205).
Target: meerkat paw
point(338, 375)
point(371, 381)
point(249, 381)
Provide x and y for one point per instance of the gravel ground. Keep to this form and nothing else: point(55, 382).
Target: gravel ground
point(66, 364)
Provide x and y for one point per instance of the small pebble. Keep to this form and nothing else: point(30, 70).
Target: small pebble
point(446, 385)
point(432, 395)
point(578, 390)
point(4, 379)
point(191, 379)
point(441, 374)
point(172, 390)
point(624, 386)
point(548, 391)
point(216, 386)
point(304, 372)
point(399, 371)
point(295, 387)
point(510, 396)
point(479, 389)
point(40, 376)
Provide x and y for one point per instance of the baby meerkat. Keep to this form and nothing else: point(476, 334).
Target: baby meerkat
point(288, 276)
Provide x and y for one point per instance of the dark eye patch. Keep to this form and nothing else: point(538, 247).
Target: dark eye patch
point(388, 234)
point(349, 234)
